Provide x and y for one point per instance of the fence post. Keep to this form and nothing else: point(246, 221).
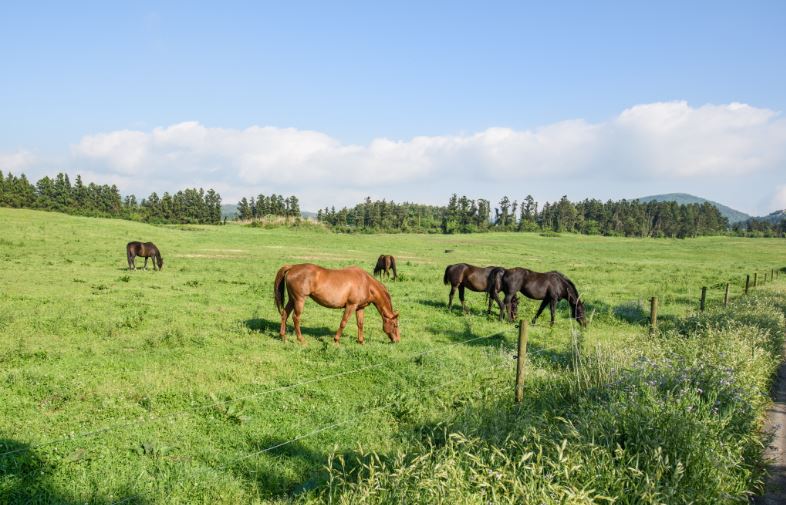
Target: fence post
point(755, 278)
point(747, 282)
point(520, 359)
point(653, 314)
point(726, 296)
point(703, 298)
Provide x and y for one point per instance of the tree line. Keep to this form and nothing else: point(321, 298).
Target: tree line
point(629, 218)
point(102, 200)
point(273, 205)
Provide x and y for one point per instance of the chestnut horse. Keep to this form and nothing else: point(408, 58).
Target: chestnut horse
point(351, 289)
point(385, 263)
point(146, 250)
point(461, 276)
point(551, 287)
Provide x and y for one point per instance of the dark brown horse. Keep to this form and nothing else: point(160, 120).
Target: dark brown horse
point(146, 250)
point(461, 276)
point(351, 289)
point(386, 263)
point(551, 287)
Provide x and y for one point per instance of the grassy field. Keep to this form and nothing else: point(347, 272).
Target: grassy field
point(168, 387)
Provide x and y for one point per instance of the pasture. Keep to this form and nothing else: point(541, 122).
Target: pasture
point(174, 386)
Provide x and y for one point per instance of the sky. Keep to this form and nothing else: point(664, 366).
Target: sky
point(336, 101)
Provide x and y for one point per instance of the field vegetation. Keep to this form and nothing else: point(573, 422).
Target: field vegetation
point(174, 387)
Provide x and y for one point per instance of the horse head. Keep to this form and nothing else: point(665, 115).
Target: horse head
point(390, 327)
point(160, 262)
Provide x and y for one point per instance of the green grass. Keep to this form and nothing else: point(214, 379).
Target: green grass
point(186, 357)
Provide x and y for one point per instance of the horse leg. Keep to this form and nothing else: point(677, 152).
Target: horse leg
point(540, 309)
point(461, 297)
point(553, 308)
point(155, 263)
point(495, 297)
point(298, 305)
point(130, 258)
point(284, 316)
point(505, 311)
point(450, 299)
point(347, 312)
point(145, 267)
point(359, 316)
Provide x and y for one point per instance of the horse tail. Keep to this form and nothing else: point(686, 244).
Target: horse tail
point(393, 266)
point(380, 266)
point(445, 278)
point(494, 282)
point(279, 285)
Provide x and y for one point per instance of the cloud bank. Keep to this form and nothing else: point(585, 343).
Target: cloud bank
point(651, 142)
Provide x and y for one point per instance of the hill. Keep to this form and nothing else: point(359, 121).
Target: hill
point(734, 216)
point(774, 217)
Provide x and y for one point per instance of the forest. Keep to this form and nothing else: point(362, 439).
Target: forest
point(628, 218)
point(101, 200)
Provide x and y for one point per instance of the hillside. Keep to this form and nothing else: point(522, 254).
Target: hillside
point(734, 216)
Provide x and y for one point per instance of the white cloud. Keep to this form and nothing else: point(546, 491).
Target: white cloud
point(17, 161)
point(665, 141)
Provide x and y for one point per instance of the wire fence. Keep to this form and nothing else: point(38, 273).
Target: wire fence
point(213, 404)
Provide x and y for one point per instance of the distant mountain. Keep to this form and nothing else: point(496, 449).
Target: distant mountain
point(229, 210)
point(734, 216)
point(774, 217)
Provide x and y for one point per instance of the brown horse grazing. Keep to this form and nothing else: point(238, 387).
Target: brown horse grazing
point(146, 250)
point(351, 289)
point(461, 276)
point(551, 287)
point(386, 263)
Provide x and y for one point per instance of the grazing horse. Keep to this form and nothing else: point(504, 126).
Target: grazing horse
point(461, 276)
point(146, 250)
point(351, 289)
point(386, 263)
point(551, 287)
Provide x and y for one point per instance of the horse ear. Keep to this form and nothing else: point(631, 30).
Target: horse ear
point(395, 313)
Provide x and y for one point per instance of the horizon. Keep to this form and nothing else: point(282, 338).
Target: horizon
point(404, 102)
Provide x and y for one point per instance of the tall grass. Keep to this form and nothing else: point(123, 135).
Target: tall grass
point(675, 422)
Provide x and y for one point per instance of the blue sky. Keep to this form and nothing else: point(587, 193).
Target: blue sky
point(329, 100)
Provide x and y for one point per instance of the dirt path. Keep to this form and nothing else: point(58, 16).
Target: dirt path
point(775, 493)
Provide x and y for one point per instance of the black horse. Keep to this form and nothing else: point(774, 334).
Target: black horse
point(463, 275)
point(145, 250)
point(551, 287)
point(385, 264)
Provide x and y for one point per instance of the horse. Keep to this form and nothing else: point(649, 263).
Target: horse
point(352, 289)
point(146, 250)
point(461, 276)
point(385, 263)
point(551, 287)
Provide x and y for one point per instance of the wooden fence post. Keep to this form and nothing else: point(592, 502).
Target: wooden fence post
point(653, 314)
point(703, 298)
point(747, 282)
point(726, 296)
point(520, 359)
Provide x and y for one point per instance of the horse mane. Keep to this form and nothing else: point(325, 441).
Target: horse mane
point(393, 266)
point(574, 294)
point(385, 294)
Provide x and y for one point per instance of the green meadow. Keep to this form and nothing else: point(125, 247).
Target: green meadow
point(174, 386)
